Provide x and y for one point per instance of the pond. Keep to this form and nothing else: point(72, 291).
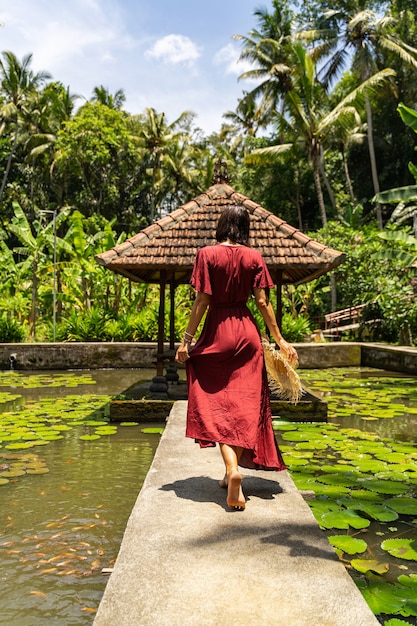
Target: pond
point(362, 468)
point(68, 483)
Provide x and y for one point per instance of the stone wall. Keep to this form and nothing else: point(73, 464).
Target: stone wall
point(118, 355)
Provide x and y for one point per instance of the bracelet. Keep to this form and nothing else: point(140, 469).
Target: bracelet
point(188, 337)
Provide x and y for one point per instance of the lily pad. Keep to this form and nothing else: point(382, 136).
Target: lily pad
point(89, 437)
point(341, 519)
point(403, 505)
point(369, 565)
point(401, 548)
point(408, 581)
point(151, 431)
point(385, 486)
point(348, 544)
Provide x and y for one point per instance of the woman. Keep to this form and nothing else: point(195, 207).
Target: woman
point(228, 395)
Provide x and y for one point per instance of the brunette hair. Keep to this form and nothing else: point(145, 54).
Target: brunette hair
point(233, 224)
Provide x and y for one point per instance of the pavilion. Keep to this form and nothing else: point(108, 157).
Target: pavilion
point(164, 252)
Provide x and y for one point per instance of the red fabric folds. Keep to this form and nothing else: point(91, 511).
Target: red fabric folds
point(228, 395)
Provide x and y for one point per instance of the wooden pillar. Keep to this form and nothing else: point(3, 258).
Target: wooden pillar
point(172, 314)
point(279, 300)
point(161, 325)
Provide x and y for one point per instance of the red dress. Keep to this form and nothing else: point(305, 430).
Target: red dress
point(228, 395)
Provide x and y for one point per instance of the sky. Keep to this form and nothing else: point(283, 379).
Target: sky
point(172, 55)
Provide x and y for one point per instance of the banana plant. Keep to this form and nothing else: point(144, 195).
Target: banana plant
point(409, 192)
point(36, 240)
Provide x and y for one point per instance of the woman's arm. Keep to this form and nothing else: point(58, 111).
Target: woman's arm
point(267, 312)
point(200, 305)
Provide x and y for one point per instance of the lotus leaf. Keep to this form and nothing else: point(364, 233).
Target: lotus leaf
point(408, 581)
point(381, 597)
point(385, 486)
point(19, 446)
point(278, 425)
point(337, 479)
point(401, 548)
point(348, 544)
point(363, 494)
point(370, 466)
point(376, 511)
point(12, 473)
point(403, 505)
point(150, 431)
point(89, 437)
point(342, 520)
point(295, 462)
point(369, 565)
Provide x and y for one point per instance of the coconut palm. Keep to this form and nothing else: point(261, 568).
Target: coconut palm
point(269, 49)
point(356, 35)
point(18, 85)
point(309, 121)
point(113, 101)
point(155, 138)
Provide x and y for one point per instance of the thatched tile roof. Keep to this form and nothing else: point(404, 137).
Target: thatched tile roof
point(171, 243)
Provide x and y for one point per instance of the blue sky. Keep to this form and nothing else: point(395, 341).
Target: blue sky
point(172, 55)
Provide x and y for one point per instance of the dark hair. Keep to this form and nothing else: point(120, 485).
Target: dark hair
point(233, 224)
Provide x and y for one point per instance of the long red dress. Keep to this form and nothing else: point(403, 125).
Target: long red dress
point(228, 395)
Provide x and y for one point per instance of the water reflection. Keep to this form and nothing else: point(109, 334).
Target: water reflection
point(58, 530)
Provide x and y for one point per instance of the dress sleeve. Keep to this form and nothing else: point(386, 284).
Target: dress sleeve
point(262, 278)
point(200, 278)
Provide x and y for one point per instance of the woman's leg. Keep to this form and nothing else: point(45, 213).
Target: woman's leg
point(232, 479)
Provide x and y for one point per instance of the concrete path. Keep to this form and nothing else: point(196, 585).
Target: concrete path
point(186, 560)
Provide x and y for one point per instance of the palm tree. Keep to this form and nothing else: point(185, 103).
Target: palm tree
point(358, 35)
point(113, 101)
point(18, 85)
point(269, 49)
point(309, 121)
point(156, 137)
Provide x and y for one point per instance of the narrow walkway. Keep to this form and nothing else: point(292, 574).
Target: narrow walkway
point(186, 560)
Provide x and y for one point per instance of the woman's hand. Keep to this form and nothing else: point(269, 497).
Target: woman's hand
point(290, 352)
point(182, 353)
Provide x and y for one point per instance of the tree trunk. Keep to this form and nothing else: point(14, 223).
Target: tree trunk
point(319, 191)
point(372, 157)
point(327, 182)
point(297, 201)
point(347, 175)
point(8, 164)
point(32, 318)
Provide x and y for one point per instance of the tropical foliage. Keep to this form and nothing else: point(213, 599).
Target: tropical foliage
point(329, 120)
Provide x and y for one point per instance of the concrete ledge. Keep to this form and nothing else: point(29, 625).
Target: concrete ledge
point(393, 358)
point(119, 355)
point(186, 559)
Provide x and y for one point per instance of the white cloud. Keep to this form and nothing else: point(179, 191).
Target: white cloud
point(229, 57)
point(174, 49)
point(63, 34)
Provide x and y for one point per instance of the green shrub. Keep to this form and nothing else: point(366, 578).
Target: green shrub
point(10, 330)
point(295, 329)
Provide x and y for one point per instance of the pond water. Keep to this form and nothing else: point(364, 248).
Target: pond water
point(362, 468)
point(68, 482)
point(64, 504)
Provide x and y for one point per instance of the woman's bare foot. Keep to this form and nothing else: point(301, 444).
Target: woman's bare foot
point(223, 482)
point(235, 498)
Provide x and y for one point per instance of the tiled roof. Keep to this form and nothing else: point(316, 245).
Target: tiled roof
point(170, 244)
